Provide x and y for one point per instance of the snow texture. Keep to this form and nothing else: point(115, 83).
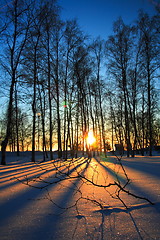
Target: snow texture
point(38, 201)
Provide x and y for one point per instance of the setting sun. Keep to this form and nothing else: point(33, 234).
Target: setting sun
point(90, 139)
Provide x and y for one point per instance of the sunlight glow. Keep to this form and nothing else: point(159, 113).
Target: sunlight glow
point(90, 139)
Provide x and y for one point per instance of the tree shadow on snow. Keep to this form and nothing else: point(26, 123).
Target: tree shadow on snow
point(109, 211)
point(147, 167)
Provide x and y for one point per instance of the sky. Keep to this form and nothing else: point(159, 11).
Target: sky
point(96, 17)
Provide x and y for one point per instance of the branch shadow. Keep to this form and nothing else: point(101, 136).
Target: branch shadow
point(9, 207)
point(52, 227)
point(131, 186)
point(107, 211)
point(49, 226)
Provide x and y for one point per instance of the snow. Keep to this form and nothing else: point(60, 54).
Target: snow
point(32, 209)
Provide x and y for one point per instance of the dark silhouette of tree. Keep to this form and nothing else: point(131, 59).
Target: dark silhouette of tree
point(73, 38)
point(15, 36)
point(118, 50)
point(51, 12)
point(55, 71)
point(97, 49)
point(149, 60)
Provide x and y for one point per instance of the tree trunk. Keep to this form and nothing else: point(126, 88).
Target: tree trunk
point(34, 104)
point(49, 96)
point(17, 124)
point(149, 107)
point(9, 120)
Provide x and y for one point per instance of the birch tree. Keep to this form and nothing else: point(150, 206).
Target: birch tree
point(15, 37)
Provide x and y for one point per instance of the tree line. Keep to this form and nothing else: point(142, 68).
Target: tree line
point(59, 84)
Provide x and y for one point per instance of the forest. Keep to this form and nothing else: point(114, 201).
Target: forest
point(57, 84)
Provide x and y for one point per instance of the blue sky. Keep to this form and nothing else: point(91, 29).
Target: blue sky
point(96, 16)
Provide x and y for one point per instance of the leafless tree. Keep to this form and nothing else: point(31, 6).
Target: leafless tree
point(118, 51)
point(15, 36)
point(149, 55)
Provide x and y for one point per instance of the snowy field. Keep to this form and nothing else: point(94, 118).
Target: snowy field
point(67, 199)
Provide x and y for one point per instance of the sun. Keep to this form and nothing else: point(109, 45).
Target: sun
point(90, 139)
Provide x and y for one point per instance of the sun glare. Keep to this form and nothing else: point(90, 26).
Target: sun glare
point(90, 139)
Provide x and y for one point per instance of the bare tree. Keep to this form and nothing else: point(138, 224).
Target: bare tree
point(149, 60)
point(73, 38)
point(51, 12)
point(97, 49)
point(15, 36)
point(118, 51)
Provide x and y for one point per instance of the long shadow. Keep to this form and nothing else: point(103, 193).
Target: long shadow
point(25, 166)
point(50, 226)
point(146, 167)
point(57, 216)
point(107, 211)
point(115, 175)
point(131, 186)
point(12, 168)
point(149, 168)
point(31, 172)
point(37, 168)
point(23, 173)
point(9, 208)
point(11, 171)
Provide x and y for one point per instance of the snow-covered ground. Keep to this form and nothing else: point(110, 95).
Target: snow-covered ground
point(54, 200)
